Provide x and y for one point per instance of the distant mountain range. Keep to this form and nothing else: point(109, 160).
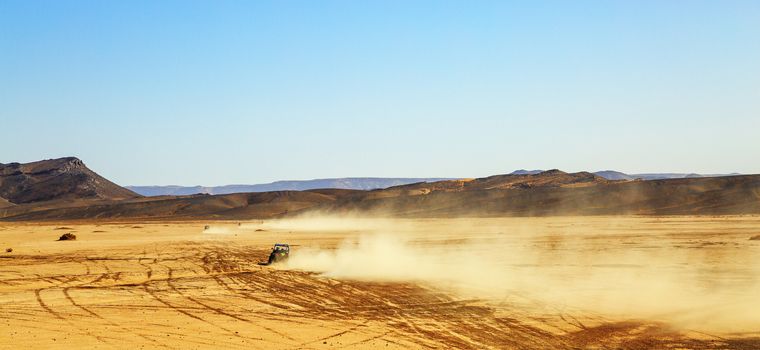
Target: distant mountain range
point(365, 183)
point(348, 183)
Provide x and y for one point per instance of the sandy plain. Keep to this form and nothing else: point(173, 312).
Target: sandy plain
point(507, 283)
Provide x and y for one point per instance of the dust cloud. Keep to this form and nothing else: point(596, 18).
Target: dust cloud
point(595, 271)
point(217, 230)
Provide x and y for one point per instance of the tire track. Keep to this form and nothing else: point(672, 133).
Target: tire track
point(210, 308)
point(98, 316)
point(38, 295)
point(365, 340)
point(155, 296)
point(345, 331)
point(217, 265)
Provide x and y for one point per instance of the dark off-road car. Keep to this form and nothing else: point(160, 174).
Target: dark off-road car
point(280, 252)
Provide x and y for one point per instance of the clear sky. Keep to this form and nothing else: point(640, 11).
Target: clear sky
point(220, 92)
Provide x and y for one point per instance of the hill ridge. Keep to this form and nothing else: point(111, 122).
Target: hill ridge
point(65, 188)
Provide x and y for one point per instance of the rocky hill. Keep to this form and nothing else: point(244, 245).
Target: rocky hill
point(54, 179)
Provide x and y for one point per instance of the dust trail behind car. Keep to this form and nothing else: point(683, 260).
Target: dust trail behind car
point(696, 280)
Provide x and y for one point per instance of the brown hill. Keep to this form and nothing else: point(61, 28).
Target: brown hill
point(570, 194)
point(55, 179)
point(228, 206)
point(550, 178)
point(547, 179)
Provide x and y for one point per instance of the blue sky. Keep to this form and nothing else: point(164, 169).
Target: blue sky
point(219, 92)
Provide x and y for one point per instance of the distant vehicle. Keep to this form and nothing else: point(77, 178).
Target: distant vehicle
point(280, 252)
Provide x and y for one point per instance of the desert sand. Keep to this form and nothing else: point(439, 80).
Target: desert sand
point(506, 283)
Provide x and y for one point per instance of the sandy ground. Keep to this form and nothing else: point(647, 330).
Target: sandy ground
point(538, 283)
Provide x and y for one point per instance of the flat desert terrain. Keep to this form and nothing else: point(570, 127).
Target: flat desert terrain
point(507, 283)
